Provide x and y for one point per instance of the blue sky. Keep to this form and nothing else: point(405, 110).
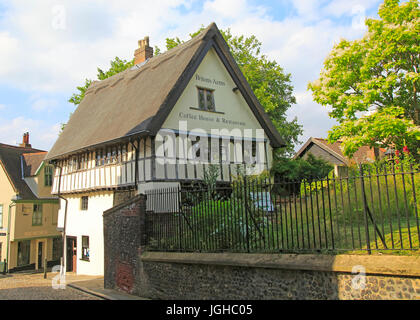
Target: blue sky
point(49, 47)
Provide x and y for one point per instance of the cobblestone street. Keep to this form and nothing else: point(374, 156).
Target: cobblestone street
point(25, 286)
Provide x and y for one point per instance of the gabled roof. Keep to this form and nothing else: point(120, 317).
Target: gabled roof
point(11, 161)
point(334, 149)
point(138, 100)
point(31, 163)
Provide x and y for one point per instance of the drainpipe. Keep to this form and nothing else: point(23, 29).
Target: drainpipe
point(12, 204)
point(64, 259)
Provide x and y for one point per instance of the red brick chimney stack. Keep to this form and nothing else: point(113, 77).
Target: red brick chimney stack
point(25, 141)
point(143, 52)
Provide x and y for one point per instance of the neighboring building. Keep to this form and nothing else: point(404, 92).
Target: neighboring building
point(28, 212)
point(118, 141)
point(332, 153)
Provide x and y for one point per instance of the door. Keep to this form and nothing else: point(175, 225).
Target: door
point(71, 254)
point(40, 262)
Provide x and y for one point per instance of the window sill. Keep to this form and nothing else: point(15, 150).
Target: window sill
point(198, 109)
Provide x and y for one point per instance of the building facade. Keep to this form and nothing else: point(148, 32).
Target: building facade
point(332, 153)
point(28, 212)
point(162, 123)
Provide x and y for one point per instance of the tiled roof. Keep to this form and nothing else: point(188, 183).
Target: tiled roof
point(31, 162)
point(362, 155)
point(10, 158)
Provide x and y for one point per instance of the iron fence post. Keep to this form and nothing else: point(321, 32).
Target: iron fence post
point(362, 182)
point(246, 213)
point(179, 217)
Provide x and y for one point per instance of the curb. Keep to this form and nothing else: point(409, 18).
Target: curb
point(94, 293)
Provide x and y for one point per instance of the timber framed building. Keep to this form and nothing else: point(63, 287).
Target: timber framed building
point(159, 124)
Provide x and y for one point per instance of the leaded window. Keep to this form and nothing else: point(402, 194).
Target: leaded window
point(84, 201)
point(206, 99)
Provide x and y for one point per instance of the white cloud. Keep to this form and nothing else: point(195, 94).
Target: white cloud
point(338, 8)
point(37, 56)
point(8, 53)
point(44, 104)
point(2, 106)
point(42, 135)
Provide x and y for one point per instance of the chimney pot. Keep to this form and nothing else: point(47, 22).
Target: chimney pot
point(25, 141)
point(143, 52)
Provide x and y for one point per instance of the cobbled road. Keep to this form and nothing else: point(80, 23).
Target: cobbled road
point(35, 287)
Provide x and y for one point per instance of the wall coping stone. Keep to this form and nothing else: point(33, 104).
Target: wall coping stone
point(124, 204)
point(373, 264)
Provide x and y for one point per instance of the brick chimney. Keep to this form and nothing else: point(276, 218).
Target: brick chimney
point(25, 141)
point(143, 52)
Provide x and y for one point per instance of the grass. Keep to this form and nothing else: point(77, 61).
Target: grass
point(324, 217)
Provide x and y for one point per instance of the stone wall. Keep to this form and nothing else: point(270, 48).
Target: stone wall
point(164, 275)
point(255, 276)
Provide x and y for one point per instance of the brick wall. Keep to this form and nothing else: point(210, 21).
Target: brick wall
point(123, 236)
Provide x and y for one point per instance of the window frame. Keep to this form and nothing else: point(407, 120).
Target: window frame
point(84, 200)
point(48, 176)
point(1, 215)
point(57, 248)
point(37, 214)
point(84, 256)
point(23, 247)
point(206, 91)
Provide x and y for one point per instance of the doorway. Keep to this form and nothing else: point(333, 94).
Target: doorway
point(71, 254)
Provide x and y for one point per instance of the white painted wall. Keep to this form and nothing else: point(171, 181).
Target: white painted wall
point(87, 223)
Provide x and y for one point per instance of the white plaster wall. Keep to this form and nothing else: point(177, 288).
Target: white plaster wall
point(160, 203)
point(87, 223)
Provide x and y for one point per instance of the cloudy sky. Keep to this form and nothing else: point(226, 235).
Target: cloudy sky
point(48, 47)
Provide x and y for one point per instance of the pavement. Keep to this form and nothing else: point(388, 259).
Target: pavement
point(96, 287)
point(33, 286)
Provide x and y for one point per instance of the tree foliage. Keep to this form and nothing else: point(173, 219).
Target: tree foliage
point(117, 65)
point(311, 168)
point(372, 83)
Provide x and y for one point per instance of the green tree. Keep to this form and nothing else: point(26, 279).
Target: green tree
point(372, 83)
point(271, 85)
point(117, 65)
point(297, 169)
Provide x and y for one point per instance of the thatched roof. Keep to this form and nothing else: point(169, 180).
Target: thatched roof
point(138, 100)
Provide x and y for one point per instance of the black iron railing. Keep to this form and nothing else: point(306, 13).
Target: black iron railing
point(374, 209)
